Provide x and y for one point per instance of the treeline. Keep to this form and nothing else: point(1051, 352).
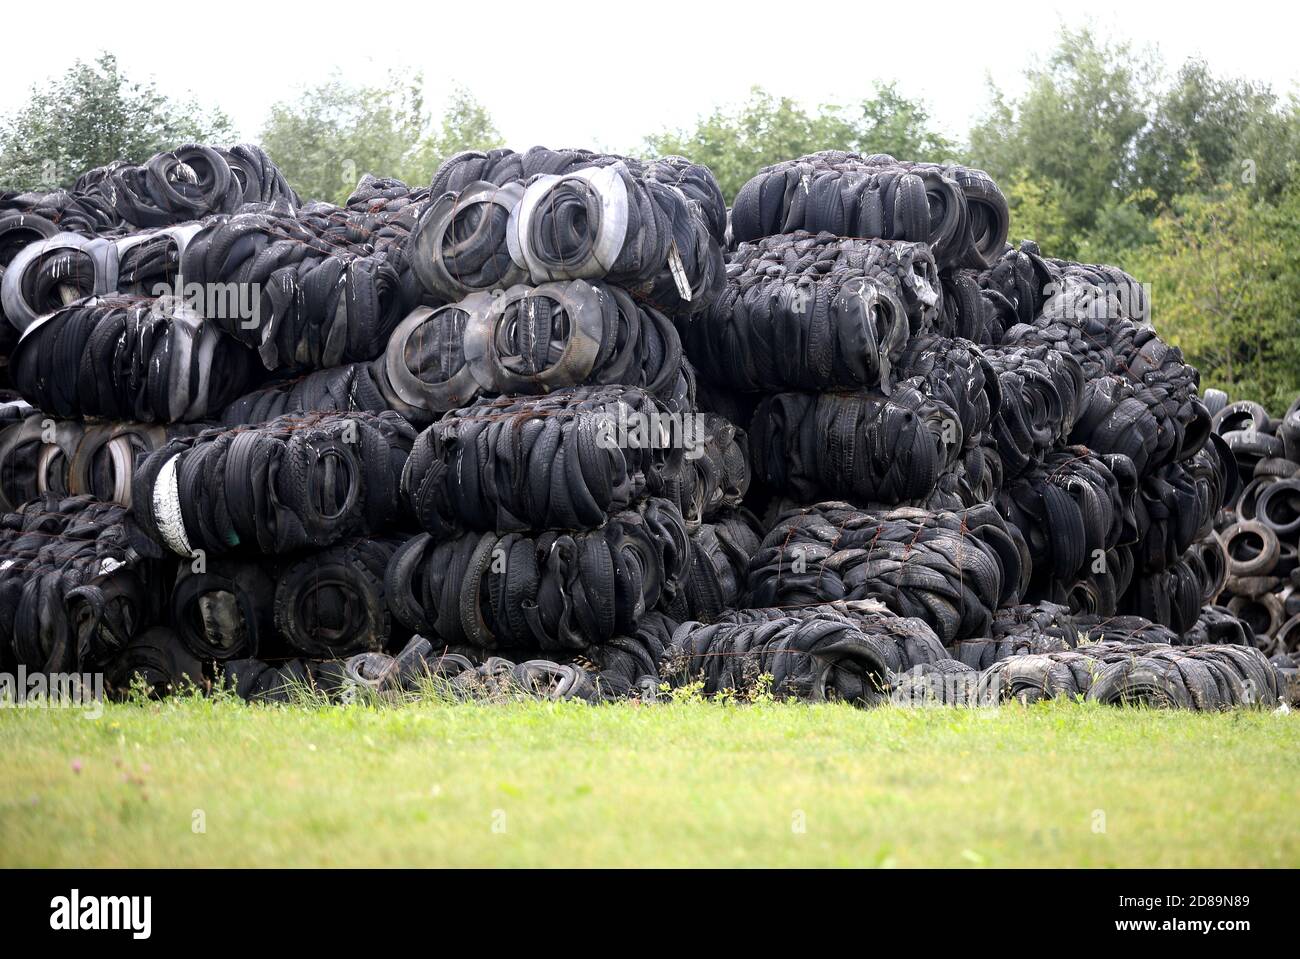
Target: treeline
point(1185, 178)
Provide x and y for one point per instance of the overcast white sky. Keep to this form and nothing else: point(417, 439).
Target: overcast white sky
point(584, 73)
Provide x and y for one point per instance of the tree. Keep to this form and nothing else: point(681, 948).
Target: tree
point(91, 116)
point(1198, 127)
point(735, 142)
point(326, 139)
point(891, 123)
point(465, 125)
point(1268, 150)
point(1074, 130)
point(334, 133)
point(1036, 214)
point(1225, 277)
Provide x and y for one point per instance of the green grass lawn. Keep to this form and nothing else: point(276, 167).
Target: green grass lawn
point(687, 783)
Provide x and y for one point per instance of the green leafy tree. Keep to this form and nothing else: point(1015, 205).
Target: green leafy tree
point(333, 134)
point(92, 115)
point(736, 141)
point(1197, 129)
point(1036, 214)
point(464, 125)
point(1075, 128)
point(1268, 150)
point(1225, 277)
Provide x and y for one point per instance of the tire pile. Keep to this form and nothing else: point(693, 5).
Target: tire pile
point(1256, 536)
point(513, 433)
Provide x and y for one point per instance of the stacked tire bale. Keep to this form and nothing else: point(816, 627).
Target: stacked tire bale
point(943, 371)
point(115, 372)
point(510, 434)
point(581, 493)
point(75, 590)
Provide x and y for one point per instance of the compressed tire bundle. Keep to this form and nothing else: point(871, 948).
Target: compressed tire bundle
point(534, 339)
point(340, 389)
point(818, 659)
point(1018, 284)
point(955, 373)
point(836, 192)
point(1177, 505)
point(883, 449)
point(566, 460)
point(721, 552)
point(331, 604)
point(714, 475)
point(987, 213)
point(51, 273)
point(1038, 676)
point(951, 570)
point(1072, 509)
point(39, 455)
point(1092, 291)
point(1025, 630)
point(958, 211)
point(226, 610)
point(1040, 391)
point(553, 590)
point(1174, 596)
point(460, 242)
point(187, 183)
point(384, 210)
point(1141, 398)
point(319, 304)
point(423, 372)
point(74, 589)
point(915, 642)
point(1203, 678)
point(594, 218)
point(60, 209)
point(326, 604)
point(259, 178)
point(815, 312)
point(153, 361)
point(288, 484)
point(503, 166)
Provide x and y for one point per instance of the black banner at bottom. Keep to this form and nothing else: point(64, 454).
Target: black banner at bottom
point(336, 907)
